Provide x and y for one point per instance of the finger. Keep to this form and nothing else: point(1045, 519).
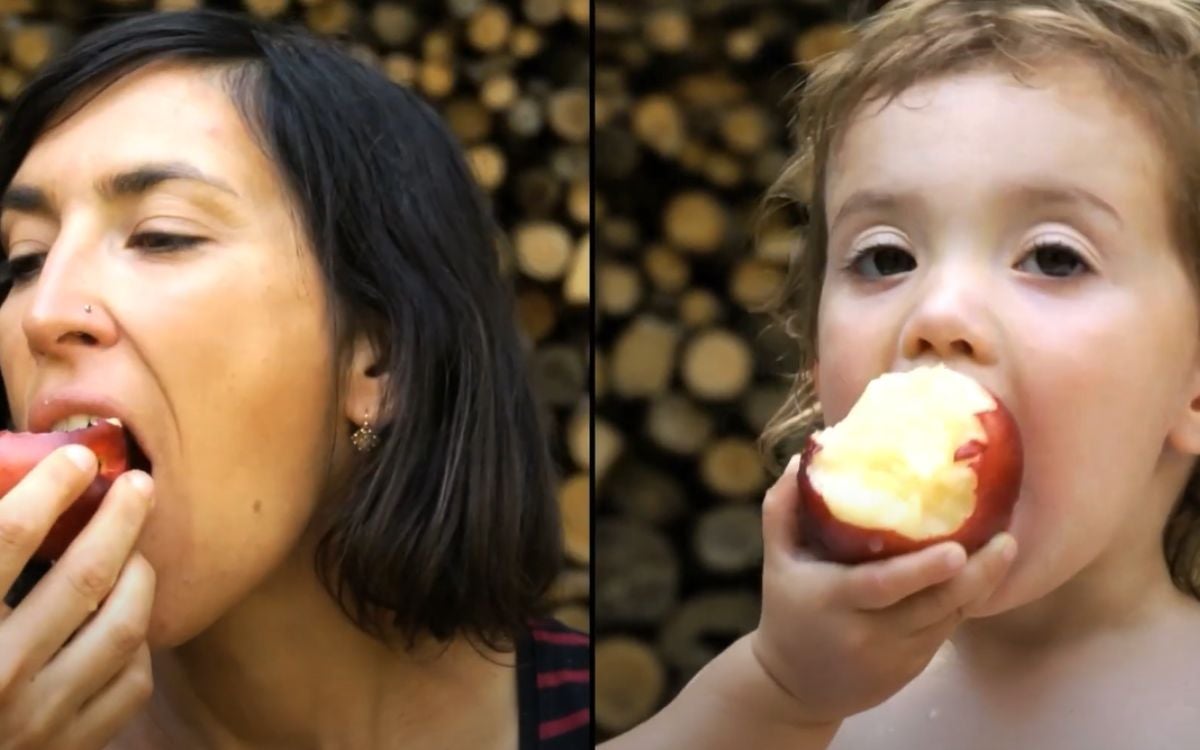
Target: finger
point(1008, 555)
point(945, 603)
point(102, 647)
point(881, 584)
point(781, 515)
point(102, 718)
point(75, 586)
point(33, 505)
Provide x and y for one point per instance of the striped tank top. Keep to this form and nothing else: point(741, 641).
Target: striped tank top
point(554, 687)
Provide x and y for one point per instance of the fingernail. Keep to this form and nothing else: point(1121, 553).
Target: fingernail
point(955, 557)
point(80, 456)
point(142, 484)
point(1008, 547)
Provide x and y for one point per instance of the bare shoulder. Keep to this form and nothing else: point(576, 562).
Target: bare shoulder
point(1162, 679)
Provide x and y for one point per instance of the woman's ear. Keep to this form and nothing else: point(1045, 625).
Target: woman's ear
point(366, 382)
point(1184, 435)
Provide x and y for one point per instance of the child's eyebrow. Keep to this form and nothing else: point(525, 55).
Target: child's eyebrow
point(1066, 195)
point(866, 201)
point(1041, 195)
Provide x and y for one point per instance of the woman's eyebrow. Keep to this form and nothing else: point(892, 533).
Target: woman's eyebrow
point(145, 176)
point(132, 182)
point(26, 199)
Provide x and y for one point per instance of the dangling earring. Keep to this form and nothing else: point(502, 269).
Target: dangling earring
point(364, 438)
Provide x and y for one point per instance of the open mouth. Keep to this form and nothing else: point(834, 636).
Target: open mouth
point(136, 457)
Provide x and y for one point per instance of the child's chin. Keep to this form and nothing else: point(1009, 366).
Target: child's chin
point(995, 605)
point(1009, 595)
point(1014, 592)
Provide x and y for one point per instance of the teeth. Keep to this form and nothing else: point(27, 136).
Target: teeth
point(80, 421)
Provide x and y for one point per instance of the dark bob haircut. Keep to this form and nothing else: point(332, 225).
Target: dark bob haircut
point(451, 524)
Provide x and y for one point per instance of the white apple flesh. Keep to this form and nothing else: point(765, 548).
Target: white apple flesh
point(923, 457)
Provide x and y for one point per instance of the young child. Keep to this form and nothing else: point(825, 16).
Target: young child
point(1007, 187)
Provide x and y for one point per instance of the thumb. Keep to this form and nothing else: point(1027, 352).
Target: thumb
point(781, 511)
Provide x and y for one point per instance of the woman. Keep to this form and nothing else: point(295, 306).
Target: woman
point(272, 266)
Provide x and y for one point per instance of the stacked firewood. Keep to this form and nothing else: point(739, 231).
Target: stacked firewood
point(692, 102)
point(511, 78)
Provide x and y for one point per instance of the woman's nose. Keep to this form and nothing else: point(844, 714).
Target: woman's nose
point(66, 307)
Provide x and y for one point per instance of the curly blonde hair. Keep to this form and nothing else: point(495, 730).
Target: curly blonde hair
point(1147, 50)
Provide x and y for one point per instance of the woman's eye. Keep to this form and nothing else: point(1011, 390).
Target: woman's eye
point(1054, 259)
point(18, 270)
point(877, 261)
point(162, 242)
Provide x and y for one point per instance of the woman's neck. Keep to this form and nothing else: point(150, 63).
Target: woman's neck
point(286, 669)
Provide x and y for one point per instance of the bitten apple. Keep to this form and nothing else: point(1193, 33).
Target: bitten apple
point(923, 457)
point(21, 451)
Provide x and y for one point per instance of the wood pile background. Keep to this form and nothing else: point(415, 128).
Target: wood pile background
point(691, 113)
point(511, 78)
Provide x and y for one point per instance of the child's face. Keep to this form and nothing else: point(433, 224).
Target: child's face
point(1022, 237)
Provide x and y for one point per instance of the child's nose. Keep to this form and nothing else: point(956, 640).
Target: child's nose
point(949, 319)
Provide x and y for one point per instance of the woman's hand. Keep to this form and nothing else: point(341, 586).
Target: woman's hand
point(841, 639)
point(74, 665)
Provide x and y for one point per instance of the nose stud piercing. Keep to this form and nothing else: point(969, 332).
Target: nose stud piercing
point(87, 308)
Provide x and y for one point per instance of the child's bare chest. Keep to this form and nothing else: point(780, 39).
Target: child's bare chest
point(1124, 704)
point(1076, 729)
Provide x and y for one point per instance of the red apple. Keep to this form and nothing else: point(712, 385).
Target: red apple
point(923, 457)
point(21, 451)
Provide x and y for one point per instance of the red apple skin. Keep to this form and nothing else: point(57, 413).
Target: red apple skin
point(998, 467)
point(21, 451)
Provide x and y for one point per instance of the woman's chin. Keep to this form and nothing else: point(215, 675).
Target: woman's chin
point(174, 622)
point(164, 632)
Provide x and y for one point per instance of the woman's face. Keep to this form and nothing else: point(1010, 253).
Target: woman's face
point(215, 350)
point(1020, 235)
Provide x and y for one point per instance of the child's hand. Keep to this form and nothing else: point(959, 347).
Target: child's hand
point(841, 639)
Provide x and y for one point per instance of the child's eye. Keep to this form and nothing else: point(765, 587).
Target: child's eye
point(880, 260)
point(1054, 259)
